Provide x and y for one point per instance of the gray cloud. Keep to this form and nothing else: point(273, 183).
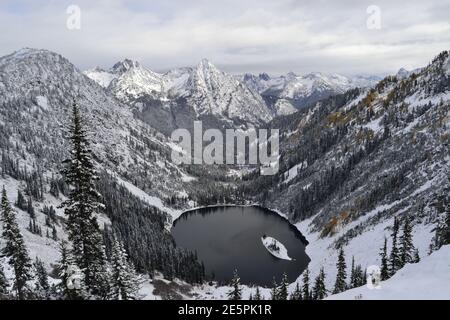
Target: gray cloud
point(264, 35)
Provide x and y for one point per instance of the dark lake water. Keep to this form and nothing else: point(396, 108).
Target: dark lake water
point(226, 238)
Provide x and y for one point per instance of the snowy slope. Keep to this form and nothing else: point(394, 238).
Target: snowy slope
point(427, 280)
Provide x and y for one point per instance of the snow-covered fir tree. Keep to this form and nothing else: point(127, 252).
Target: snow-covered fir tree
point(384, 262)
point(305, 288)
point(395, 256)
point(125, 283)
point(72, 286)
point(15, 250)
point(236, 292)
point(4, 285)
point(81, 208)
point(442, 230)
point(319, 289)
point(297, 293)
point(407, 247)
point(42, 286)
point(257, 294)
point(341, 277)
point(283, 288)
point(274, 291)
point(357, 278)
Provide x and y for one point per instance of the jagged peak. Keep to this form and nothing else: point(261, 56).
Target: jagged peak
point(125, 65)
point(264, 76)
point(205, 64)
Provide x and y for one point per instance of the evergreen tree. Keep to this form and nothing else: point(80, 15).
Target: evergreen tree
point(236, 291)
point(319, 290)
point(352, 273)
point(54, 234)
point(81, 208)
point(384, 262)
point(442, 230)
point(274, 291)
point(358, 277)
point(72, 283)
point(257, 295)
point(395, 257)
point(124, 280)
point(283, 289)
point(21, 203)
point(446, 231)
point(297, 294)
point(340, 284)
point(42, 289)
point(305, 289)
point(15, 249)
point(416, 256)
point(30, 208)
point(4, 293)
point(407, 247)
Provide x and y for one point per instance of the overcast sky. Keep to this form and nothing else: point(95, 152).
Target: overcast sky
point(236, 35)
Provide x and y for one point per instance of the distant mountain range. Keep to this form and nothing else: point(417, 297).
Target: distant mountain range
point(175, 98)
point(287, 93)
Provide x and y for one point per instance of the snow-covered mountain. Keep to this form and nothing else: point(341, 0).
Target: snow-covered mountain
point(287, 93)
point(202, 92)
point(42, 85)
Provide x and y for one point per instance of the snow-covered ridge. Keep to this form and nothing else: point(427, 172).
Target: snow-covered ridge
point(206, 88)
point(275, 247)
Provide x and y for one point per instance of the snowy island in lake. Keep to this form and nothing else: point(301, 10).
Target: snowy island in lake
point(276, 248)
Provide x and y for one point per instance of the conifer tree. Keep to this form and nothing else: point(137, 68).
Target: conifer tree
point(416, 256)
point(305, 289)
point(340, 284)
point(283, 289)
point(236, 291)
point(54, 234)
point(395, 258)
point(4, 292)
point(442, 230)
point(446, 231)
point(358, 277)
point(274, 291)
point(257, 294)
point(407, 247)
point(384, 262)
point(72, 284)
point(124, 280)
point(297, 294)
point(15, 249)
point(81, 207)
point(42, 290)
point(319, 290)
point(352, 273)
point(21, 203)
